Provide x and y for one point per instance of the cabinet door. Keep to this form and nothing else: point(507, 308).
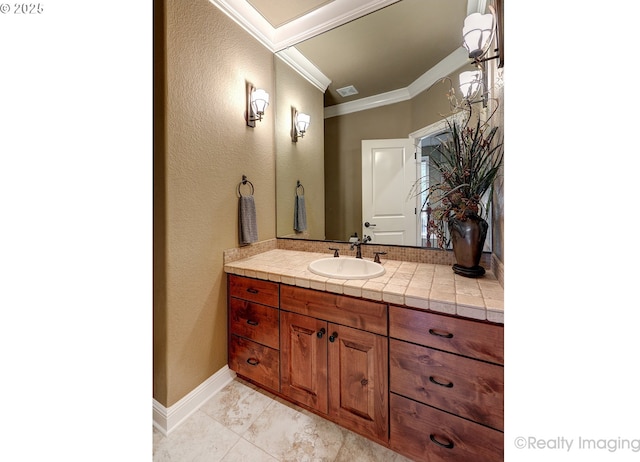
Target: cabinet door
point(358, 386)
point(303, 350)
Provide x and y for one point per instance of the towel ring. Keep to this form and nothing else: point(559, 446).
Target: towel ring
point(245, 181)
point(298, 187)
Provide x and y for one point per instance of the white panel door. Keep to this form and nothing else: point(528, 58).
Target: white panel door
point(388, 171)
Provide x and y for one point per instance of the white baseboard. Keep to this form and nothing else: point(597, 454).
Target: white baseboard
point(168, 419)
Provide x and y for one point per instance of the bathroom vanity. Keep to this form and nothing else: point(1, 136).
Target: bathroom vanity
point(429, 385)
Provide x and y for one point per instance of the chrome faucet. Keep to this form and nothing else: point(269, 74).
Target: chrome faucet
point(357, 244)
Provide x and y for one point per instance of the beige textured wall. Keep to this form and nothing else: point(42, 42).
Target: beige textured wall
point(303, 160)
point(204, 149)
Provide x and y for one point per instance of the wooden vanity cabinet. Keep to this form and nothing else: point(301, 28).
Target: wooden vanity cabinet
point(254, 325)
point(446, 379)
point(429, 386)
point(331, 363)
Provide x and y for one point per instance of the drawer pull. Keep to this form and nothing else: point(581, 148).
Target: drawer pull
point(446, 385)
point(253, 361)
point(252, 290)
point(333, 337)
point(321, 332)
point(448, 445)
point(440, 333)
point(251, 322)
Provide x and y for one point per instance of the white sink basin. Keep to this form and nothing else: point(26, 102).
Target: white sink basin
point(346, 268)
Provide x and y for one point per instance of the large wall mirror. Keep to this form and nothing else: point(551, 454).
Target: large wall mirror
point(390, 74)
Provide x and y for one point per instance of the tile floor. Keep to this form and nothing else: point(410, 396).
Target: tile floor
point(243, 423)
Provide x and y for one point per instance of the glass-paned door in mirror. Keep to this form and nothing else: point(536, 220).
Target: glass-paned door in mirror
point(431, 175)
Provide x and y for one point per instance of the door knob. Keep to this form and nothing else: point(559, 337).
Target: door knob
point(368, 225)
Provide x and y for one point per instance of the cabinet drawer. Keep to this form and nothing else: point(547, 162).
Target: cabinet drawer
point(469, 338)
point(462, 386)
point(442, 437)
point(254, 290)
point(254, 361)
point(254, 321)
point(351, 312)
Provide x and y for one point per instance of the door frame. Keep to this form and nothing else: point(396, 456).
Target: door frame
point(433, 129)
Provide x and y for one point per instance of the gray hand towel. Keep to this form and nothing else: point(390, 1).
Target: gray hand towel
point(300, 214)
point(248, 224)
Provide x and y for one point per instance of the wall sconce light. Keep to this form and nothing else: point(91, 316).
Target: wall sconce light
point(257, 102)
point(477, 35)
point(299, 124)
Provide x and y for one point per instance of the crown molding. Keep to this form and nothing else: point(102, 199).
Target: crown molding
point(450, 64)
point(328, 17)
point(331, 15)
point(298, 62)
point(369, 102)
point(243, 14)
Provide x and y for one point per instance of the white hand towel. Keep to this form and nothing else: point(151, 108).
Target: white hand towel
point(248, 224)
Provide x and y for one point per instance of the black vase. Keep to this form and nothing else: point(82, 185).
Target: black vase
point(467, 238)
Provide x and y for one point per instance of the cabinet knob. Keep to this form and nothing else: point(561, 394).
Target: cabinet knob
point(321, 332)
point(448, 445)
point(333, 337)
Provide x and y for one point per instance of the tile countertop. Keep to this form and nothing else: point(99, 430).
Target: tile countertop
point(418, 285)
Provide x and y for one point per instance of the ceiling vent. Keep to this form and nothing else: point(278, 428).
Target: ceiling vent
point(347, 91)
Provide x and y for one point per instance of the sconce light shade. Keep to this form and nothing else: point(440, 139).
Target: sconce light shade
point(477, 33)
point(470, 82)
point(257, 102)
point(300, 123)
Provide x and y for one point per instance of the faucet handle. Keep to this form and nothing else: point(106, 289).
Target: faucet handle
point(335, 251)
point(376, 259)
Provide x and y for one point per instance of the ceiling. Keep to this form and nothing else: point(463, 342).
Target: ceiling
point(378, 46)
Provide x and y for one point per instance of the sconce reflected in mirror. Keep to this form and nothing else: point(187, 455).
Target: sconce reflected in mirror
point(257, 102)
point(299, 124)
point(470, 83)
